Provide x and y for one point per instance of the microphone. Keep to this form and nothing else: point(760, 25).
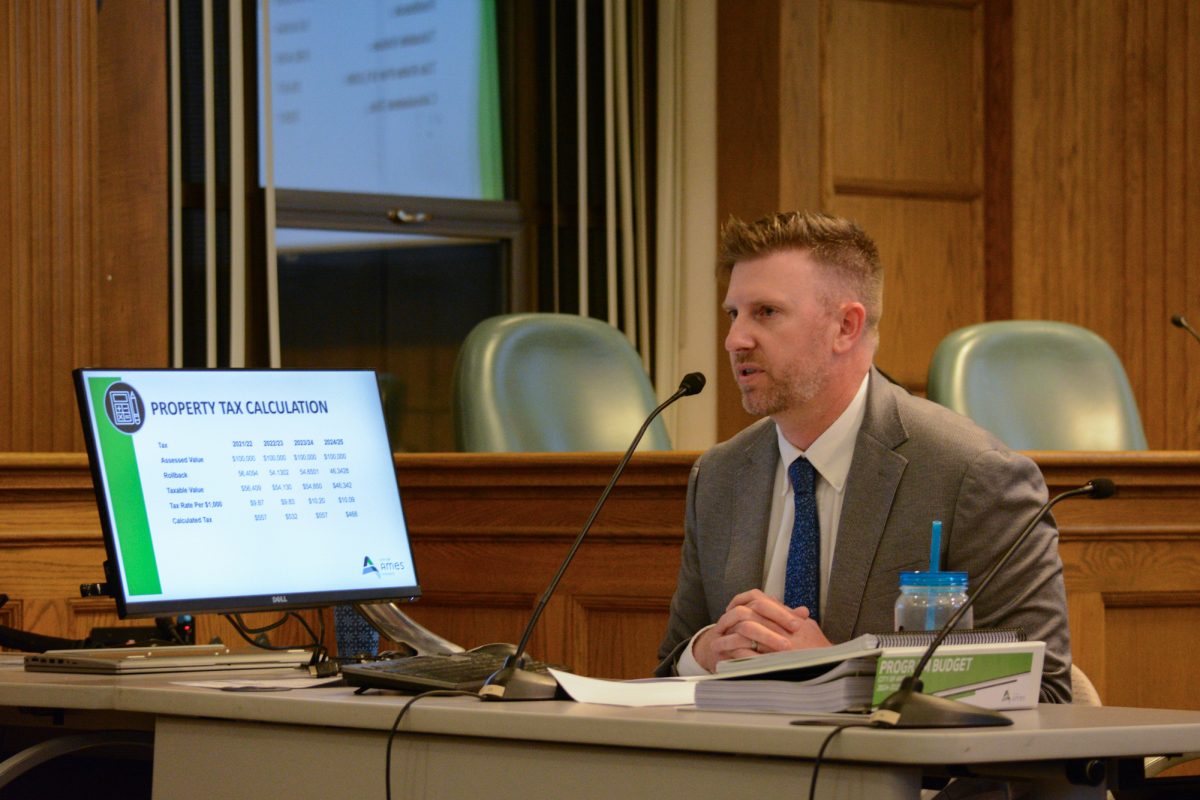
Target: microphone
point(512, 681)
point(907, 707)
point(1179, 322)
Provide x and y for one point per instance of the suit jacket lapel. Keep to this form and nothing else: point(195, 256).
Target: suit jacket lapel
point(871, 485)
point(751, 503)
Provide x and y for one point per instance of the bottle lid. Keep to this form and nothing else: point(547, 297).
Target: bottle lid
point(933, 579)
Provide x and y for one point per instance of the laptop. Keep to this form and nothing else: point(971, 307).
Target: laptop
point(168, 658)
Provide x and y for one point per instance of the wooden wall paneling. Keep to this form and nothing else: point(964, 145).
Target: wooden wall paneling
point(42, 574)
point(1146, 327)
point(998, 158)
point(748, 54)
point(1145, 134)
point(1126, 558)
point(906, 104)
point(904, 136)
point(1189, 365)
point(62, 316)
point(1068, 240)
point(802, 158)
point(479, 530)
point(617, 636)
point(1086, 613)
point(11, 614)
point(1178, 404)
point(9, 197)
point(49, 538)
point(1104, 169)
point(83, 206)
point(474, 616)
point(130, 277)
point(505, 525)
point(18, 69)
point(48, 150)
point(1152, 625)
point(934, 276)
point(86, 613)
point(1090, 201)
point(749, 144)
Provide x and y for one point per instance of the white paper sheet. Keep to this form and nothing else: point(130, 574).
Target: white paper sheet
point(637, 694)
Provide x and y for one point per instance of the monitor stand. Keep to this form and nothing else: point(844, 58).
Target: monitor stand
point(394, 624)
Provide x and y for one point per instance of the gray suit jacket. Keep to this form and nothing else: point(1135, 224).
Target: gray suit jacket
point(914, 462)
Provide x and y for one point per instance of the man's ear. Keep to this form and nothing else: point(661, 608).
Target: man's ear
point(852, 326)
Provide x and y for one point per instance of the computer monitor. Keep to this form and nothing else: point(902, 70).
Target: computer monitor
point(244, 490)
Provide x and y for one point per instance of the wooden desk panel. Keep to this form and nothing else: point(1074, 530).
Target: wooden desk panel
point(1132, 566)
point(490, 529)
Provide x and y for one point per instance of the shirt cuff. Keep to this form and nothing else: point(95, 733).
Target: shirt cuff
point(687, 665)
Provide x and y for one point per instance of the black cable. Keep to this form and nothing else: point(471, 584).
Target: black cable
point(387, 771)
point(244, 632)
point(812, 787)
point(317, 640)
point(238, 622)
point(234, 620)
point(319, 653)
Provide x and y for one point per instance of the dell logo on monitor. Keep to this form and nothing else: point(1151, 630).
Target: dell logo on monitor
point(279, 598)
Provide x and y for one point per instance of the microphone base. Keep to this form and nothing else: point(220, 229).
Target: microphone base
point(515, 684)
point(907, 708)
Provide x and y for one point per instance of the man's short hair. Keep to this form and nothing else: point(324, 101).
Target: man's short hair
point(830, 241)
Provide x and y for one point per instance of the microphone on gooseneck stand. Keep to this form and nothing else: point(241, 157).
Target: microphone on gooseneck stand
point(1179, 322)
point(513, 681)
point(907, 707)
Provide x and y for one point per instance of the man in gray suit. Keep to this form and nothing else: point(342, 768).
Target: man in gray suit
point(804, 301)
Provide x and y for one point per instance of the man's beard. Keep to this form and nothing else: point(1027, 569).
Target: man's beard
point(793, 391)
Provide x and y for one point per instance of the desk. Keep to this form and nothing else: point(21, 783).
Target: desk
point(329, 742)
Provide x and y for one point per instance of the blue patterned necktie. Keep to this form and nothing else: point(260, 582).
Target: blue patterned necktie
point(803, 577)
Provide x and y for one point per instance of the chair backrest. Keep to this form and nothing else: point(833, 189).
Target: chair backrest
point(551, 383)
point(1083, 691)
point(1038, 385)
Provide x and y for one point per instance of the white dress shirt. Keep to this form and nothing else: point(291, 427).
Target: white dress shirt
point(830, 454)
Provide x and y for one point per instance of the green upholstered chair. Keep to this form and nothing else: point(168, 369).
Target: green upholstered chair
point(551, 383)
point(1038, 386)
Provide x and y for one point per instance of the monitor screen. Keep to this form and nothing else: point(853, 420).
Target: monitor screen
point(382, 97)
point(244, 490)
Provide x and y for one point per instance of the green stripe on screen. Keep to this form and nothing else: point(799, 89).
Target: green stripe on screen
point(491, 150)
point(128, 503)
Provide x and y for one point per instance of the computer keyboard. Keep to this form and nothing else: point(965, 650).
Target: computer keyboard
point(463, 671)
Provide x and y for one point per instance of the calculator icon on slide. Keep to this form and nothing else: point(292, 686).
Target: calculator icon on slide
point(124, 408)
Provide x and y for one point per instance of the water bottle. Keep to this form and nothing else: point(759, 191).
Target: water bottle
point(928, 600)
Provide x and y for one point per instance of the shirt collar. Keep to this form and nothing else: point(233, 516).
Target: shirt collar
point(832, 451)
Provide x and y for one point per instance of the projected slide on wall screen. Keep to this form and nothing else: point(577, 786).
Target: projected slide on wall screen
point(238, 490)
point(397, 97)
